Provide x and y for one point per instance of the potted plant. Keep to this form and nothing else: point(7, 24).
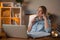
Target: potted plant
point(19, 1)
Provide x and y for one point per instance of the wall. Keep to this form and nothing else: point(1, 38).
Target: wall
point(53, 6)
point(7, 0)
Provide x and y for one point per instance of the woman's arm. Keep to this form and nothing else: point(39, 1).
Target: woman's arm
point(47, 24)
point(30, 25)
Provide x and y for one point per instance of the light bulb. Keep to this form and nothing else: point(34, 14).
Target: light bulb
point(52, 32)
point(56, 34)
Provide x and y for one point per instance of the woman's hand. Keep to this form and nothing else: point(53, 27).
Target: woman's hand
point(45, 21)
point(44, 17)
point(30, 27)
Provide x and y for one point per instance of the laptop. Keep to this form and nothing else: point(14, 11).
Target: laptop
point(19, 31)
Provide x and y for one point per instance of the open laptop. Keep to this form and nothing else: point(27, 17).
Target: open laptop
point(19, 31)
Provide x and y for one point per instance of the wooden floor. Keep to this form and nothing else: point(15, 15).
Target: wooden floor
point(46, 38)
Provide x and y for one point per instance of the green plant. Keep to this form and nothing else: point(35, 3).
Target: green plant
point(19, 1)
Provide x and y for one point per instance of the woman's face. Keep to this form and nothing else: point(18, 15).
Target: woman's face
point(40, 12)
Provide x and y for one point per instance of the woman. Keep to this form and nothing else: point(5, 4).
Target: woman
point(40, 23)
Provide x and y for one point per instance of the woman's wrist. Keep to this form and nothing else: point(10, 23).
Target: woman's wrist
point(45, 19)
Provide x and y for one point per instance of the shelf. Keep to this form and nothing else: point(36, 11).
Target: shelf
point(6, 20)
point(14, 17)
point(5, 12)
point(10, 14)
point(5, 17)
point(15, 21)
point(16, 7)
point(6, 7)
point(6, 4)
point(15, 12)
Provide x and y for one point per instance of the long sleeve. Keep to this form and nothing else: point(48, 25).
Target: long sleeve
point(48, 29)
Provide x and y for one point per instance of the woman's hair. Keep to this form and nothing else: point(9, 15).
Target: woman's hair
point(44, 9)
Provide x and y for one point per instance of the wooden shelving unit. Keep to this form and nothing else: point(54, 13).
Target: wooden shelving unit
point(10, 14)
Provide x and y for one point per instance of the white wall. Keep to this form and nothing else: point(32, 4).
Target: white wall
point(53, 6)
point(7, 0)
